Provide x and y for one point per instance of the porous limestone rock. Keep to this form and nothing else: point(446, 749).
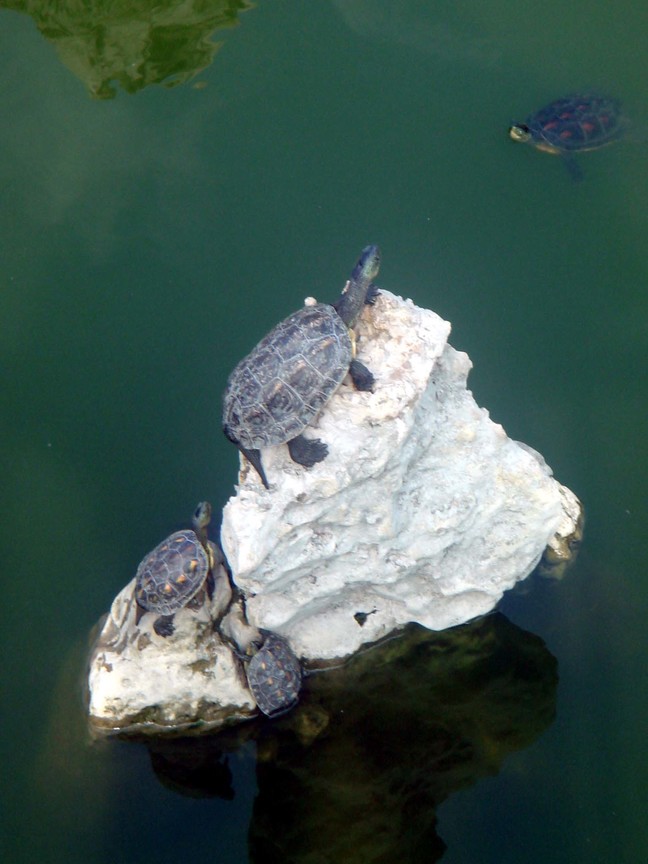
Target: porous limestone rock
point(423, 511)
point(141, 682)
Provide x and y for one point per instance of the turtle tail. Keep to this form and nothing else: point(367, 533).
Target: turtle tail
point(254, 458)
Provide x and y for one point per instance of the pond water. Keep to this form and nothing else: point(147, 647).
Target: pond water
point(150, 235)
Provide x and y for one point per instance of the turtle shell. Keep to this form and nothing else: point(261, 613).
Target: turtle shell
point(274, 675)
point(172, 574)
point(283, 384)
point(578, 122)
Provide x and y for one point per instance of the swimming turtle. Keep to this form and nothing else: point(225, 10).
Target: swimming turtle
point(177, 573)
point(282, 385)
point(274, 675)
point(574, 123)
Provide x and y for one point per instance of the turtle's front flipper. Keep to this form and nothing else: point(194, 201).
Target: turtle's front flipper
point(372, 294)
point(254, 458)
point(575, 171)
point(307, 451)
point(361, 376)
point(164, 625)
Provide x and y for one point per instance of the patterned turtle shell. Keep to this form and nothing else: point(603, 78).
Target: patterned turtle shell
point(275, 392)
point(578, 122)
point(274, 675)
point(172, 574)
point(278, 389)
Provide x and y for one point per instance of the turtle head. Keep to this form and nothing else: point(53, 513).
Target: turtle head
point(355, 292)
point(368, 265)
point(202, 517)
point(520, 132)
point(200, 521)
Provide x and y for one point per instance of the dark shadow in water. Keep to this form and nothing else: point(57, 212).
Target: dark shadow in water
point(132, 42)
point(193, 767)
point(359, 768)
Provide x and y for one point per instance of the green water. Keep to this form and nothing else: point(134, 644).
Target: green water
point(150, 239)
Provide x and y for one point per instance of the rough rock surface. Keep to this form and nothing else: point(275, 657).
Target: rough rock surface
point(141, 682)
point(424, 510)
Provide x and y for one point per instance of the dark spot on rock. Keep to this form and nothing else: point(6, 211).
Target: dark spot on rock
point(361, 617)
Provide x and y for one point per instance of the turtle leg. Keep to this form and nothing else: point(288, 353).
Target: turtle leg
point(372, 293)
point(575, 170)
point(254, 458)
point(307, 451)
point(164, 625)
point(210, 585)
point(361, 376)
point(139, 611)
point(198, 600)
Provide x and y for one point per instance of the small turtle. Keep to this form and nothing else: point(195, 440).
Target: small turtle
point(282, 385)
point(274, 675)
point(572, 124)
point(177, 573)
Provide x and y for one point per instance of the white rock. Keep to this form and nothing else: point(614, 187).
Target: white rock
point(139, 681)
point(424, 510)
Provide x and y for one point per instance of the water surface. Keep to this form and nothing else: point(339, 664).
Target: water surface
point(150, 239)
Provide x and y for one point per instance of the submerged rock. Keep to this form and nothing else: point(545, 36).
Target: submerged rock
point(359, 769)
point(411, 723)
point(423, 511)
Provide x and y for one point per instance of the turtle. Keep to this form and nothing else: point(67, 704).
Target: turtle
point(572, 124)
point(274, 675)
point(177, 573)
point(279, 389)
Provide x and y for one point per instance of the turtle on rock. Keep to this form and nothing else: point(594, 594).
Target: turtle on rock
point(177, 573)
point(572, 124)
point(274, 675)
point(282, 385)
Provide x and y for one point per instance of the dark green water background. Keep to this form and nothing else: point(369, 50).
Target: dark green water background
point(148, 241)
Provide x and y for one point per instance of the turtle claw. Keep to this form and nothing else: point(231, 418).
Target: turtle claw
point(307, 451)
point(372, 294)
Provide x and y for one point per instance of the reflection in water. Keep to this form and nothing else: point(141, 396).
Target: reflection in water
point(457, 32)
point(193, 767)
point(71, 784)
point(359, 769)
point(133, 42)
